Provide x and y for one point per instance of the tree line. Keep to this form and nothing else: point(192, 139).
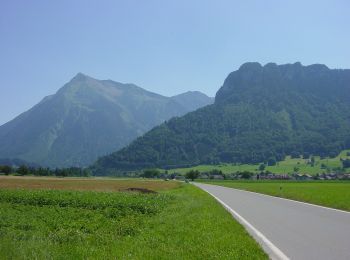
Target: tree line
point(24, 170)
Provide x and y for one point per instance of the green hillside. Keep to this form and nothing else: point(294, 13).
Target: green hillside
point(260, 113)
point(289, 165)
point(85, 119)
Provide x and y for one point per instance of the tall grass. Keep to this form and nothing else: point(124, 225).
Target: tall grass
point(181, 223)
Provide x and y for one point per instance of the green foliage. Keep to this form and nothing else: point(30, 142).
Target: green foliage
point(40, 171)
point(262, 167)
point(23, 170)
point(246, 175)
point(215, 172)
point(5, 169)
point(271, 162)
point(192, 174)
point(306, 155)
point(315, 165)
point(259, 113)
point(123, 202)
point(346, 163)
point(151, 173)
point(93, 225)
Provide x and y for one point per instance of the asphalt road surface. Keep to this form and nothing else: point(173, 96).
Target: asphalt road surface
point(285, 228)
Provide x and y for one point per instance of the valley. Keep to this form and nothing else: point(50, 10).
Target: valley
point(180, 130)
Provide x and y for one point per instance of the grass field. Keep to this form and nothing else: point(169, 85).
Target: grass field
point(283, 167)
point(334, 194)
point(179, 222)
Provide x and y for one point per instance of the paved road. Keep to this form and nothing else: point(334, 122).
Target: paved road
point(298, 230)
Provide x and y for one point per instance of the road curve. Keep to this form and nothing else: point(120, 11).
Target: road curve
point(294, 230)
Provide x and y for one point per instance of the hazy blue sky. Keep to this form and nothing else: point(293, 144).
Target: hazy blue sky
point(164, 46)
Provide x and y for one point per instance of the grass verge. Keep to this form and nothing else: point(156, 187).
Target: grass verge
point(334, 194)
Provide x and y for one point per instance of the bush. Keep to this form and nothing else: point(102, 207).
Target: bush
point(271, 162)
point(151, 173)
point(192, 174)
point(346, 163)
point(246, 175)
point(306, 156)
point(5, 169)
point(295, 154)
point(23, 170)
point(262, 167)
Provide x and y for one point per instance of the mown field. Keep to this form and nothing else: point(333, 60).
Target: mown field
point(53, 218)
point(334, 194)
point(283, 167)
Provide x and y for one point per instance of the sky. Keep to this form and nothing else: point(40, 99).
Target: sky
point(164, 46)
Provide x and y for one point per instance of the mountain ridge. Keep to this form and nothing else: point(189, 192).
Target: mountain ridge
point(260, 112)
point(84, 119)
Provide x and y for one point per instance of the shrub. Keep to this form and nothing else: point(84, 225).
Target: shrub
point(346, 163)
point(151, 173)
point(192, 174)
point(271, 162)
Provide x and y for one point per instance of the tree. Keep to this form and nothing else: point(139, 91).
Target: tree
point(192, 174)
point(306, 155)
point(262, 167)
point(271, 162)
point(6, 169)
point(295, 154)
point(215, 172)
point(23, 170)
point(150, 173)
point(346, 163)
point(312, 161)
point(246, 175)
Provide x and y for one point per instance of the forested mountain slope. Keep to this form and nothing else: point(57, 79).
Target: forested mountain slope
point(260, 112)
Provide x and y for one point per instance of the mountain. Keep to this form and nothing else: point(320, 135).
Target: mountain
point(17, 163)
point(260, 113)
point(88, 118)
point(192, 100)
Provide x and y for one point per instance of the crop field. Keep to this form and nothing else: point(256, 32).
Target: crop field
point(41, 219)
point(90, 184)
point(334, 194)
point(283, 167)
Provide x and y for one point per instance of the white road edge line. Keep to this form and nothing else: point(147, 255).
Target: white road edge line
point(273, 251)
point(275, 197)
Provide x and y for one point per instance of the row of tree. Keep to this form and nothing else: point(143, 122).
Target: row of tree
point(24, 170)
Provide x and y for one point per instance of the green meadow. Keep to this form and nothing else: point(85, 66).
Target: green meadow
point(334, 194)
point(289, 165)
point(176, 222)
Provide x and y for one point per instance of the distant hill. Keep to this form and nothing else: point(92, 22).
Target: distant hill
point(88, 118)
point(260, 113)
point(192, 100)
point(17, 162)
